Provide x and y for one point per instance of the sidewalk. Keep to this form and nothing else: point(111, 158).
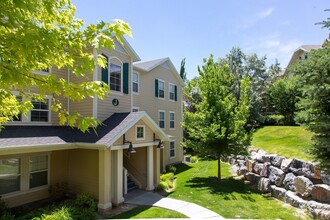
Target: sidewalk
point(191, 210)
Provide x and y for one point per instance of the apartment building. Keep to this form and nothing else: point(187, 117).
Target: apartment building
point(140, 135)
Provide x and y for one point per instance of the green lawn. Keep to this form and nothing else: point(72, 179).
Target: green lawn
point(149, 212)
point(288, 141)
point(230, 198)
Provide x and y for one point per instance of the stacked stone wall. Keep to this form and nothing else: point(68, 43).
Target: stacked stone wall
point(293, 181)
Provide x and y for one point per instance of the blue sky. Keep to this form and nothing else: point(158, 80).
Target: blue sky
point(194, 29)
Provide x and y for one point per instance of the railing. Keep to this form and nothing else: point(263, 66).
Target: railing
point(134, 173)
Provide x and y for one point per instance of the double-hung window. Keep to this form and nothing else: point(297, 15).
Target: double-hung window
point(172, 92)
point(135, 82)
point(172, 120)
point(140, 132)
point(159, 88)
point(40, 111)
point(115, 77)
point(161, 119)
point(38, 171)
point(172, 149)
point(10, 175)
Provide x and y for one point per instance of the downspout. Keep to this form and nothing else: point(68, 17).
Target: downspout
point(131, 86)
point(95, 77)
point(68, 104)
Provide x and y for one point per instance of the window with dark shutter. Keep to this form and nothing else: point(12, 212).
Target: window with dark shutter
point(105, 75)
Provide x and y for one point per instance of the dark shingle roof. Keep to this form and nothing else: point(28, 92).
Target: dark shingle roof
point(49, 135)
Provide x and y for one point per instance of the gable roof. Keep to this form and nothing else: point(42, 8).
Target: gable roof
point(106, 134)
point(152, 64)
point(127, 48)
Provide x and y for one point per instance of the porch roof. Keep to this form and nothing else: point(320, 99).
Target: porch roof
point(106, 134)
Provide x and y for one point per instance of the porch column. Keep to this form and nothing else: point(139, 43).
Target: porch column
point(150, 168)
point(117, 171)
point(157, 166)
point(104, 179)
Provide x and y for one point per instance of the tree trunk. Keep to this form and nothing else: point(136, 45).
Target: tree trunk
point(219, 168)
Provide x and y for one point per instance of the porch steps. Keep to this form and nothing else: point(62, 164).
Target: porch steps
point(131, 185)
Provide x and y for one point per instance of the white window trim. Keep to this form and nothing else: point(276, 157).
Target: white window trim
point(144, 132)
point(169, 149)
point(25, 177)
point(138, 82)
point(169, 120)
point(121, 75)
point(164, 118)
point(160, 80)
point(43, 73)
point(169, 91)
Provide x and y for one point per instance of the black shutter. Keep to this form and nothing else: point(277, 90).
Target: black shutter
point(105, 74)
point(156, 87)
point(125, 77)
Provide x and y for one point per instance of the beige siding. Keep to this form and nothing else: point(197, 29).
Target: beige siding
point(59, 166)
point(83, 171)
point(146, 101)
point(27, 197)
point(105, 107)
point(136, 164)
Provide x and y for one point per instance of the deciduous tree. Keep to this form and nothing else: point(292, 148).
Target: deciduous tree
point(37, 35)
point(217, 126)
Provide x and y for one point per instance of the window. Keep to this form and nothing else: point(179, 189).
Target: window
point(172, 92)
point(115, 77)
point(136, 82)
point(38, 171)
point(161, 89)
point(140, 132)
point(40, 111)
point(172, 149)
point(10, 175)
point(135, 109)
point(172, 119)
point(161, 119)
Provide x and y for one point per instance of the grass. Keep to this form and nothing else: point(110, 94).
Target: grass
point(149, 212)
point(230, 198)
point(288, 141)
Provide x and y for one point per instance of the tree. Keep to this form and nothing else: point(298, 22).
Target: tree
point(314, 105)
point(283, 96)
point(217, 126)
point(36, 35)
point(183, 73)
point(255, 69)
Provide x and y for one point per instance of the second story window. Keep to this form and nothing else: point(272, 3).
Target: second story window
point(115, 77)
point(161, 119)
point(135, 82)
point(172, 120)
point(40, 111)
point(159, 88)
point(172, 92)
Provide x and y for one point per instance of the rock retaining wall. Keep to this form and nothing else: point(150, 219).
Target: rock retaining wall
point(293, 181)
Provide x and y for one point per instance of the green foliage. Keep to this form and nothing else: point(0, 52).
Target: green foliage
point(253, 67)
point(193, 159)
point(63, 213)
point(314, 106)
point(31, 41)
point(170, 169)
point(166, 181)
point(283, 96)
point(5, 213)
point(183, 73)
point(217, 126)
point(58, 191)
point(274, 120)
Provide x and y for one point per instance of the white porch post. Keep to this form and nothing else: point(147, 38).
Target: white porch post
point(150, 168)
point(104, 179)
point(117, 195)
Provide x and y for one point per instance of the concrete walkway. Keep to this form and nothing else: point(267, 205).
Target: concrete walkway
point(191, 210)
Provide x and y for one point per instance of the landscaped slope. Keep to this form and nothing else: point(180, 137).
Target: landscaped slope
point(288, 141)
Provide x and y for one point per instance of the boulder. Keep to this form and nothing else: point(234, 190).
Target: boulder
point(297, 164)
point(265, 170)
point(278, 192)
point(252, 177)
point(318, 210)
point(250, 164)
point(258, 167)
point(295, 200)
point(288, 182)
point(258, 155)
point(325, 178)
point(232, 161)
point(303, 186)
point(264, 184)
point(277, 161)
point(285, 165)
point(268, 157)
point(276, 175)
point(321, 193)
point(241, 170)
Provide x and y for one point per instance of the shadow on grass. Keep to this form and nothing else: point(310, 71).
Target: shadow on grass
point(182, 167)
point(225, 188)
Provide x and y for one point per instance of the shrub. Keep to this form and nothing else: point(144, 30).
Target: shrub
point(193, 159)
point(64, 213)
point(4, 211)
point(162, 186)
point(58, 191)
point(170, 169)
point(274, 120)
point(167, 176)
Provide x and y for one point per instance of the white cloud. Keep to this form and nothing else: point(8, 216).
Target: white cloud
point(265, 13)
point(274, 48)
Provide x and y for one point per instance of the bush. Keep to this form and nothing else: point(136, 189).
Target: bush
point(274, 120)
point(58, 191)
point(64, 213)
point(193, 159)
point(162, 186)
point(170, 169)
point(167, 176)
